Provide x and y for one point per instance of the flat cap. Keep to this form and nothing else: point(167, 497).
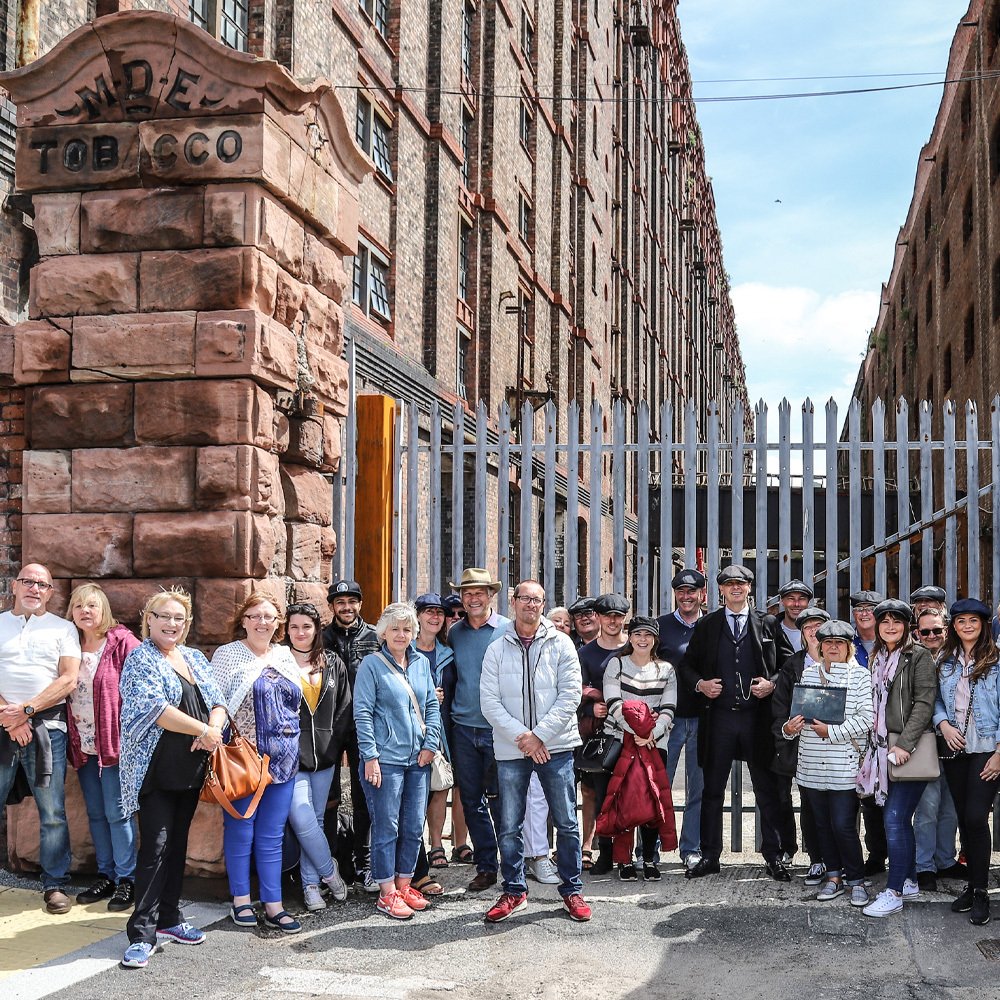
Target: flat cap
point(866, 597)
point(431, 600)
point(611, 604)
point(835, 629)
point(970, 606)
point(734, 574)
point(688, 578)
point(344, 588)
point(811, 614)
point(642, 623)
point(583, 606)
point(453, 603)
point(928, 594)
point(892, 606)
point(795, 587)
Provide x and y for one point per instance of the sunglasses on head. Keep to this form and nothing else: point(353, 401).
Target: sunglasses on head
point(925, 632)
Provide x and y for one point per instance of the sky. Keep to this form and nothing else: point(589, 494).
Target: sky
point(811, 192)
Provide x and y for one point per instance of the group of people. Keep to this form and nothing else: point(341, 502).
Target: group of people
point(444, 696)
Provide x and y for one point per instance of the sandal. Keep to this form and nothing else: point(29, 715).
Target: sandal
point(283, 921)
point(462, 855)
point(437, 858)
point(588, 860)
point(427, 886)
point(243, 915)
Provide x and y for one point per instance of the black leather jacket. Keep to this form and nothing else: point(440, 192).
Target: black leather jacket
point(351, 644)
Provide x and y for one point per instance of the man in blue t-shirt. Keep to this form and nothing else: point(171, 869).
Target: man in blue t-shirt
point(471, 735)
point(676, 628)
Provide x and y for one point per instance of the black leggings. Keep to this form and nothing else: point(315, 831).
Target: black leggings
point(974, 800)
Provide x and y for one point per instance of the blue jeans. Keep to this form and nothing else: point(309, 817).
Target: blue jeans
point(53, 848)
point(262, 835)
point(684, 735)
point(397, 808)
point(935, 826)
point(898, 817)
point(475, 769)
point(558, 780)
point(115, 835)
point(309, 796)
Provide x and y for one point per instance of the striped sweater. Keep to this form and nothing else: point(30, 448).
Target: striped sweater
point(832, 764)
point(655, 684)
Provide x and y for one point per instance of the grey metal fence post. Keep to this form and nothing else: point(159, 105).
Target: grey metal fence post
point(481, 475)
point(691, 492)
point(878, 492)
point(618, 494)
point(434, 499)
point(410, 545)
point(571, 561)
point(903, 492)
point(854, 486)
point(972, 586)
point(926, 496)
point(666, 505)
point(760, 534)
point(830, 444)
point(642, 604)
point(503, 509)
point(457, 492)
point(548, 542)
point(527, 519)
point(784, 492)
point(948, 483)
point(712, 491)
point(808, 494)
point(596, 497)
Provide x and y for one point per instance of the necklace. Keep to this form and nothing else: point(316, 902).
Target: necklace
point(745, 693)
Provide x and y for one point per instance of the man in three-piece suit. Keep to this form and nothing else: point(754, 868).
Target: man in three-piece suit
point(731, 664)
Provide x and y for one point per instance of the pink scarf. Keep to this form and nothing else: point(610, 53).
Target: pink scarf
point(873, 776)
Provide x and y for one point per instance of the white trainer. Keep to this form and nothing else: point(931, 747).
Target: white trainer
point(910, 889)
point(884, 904)
point(542, 870)
point(313, 898)
point(336, 884)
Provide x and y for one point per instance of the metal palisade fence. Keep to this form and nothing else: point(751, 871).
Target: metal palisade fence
point(881, 500)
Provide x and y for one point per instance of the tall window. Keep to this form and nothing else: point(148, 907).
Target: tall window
point(929, 304)
point(966, 113)
point(995, 153)
point(969, 342)
point(946, 371)
point(463, 341)
point(944, 172)
point(527, 34)
point(464, 247)
point(467, 15)
point(466, 140)
point(372, 133)
point(524, 123)
point(946, 264)
point(377, 11)
point(967, 218)
point(370, 291)
point(996, 289)
point(524, 217)
point(227, 20)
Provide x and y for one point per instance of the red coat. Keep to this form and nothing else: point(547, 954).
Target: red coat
point(639, 792)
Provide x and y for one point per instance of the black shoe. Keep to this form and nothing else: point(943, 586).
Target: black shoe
point(651, 872)
point(927, 881)
point(704, 867)
point(101, 889)
point(777, 871)
point(980, 908)
point(957, 870)
point(123, 897)
point(874, 866)
point(603, 864)
point(964, 901)
point(627, 873)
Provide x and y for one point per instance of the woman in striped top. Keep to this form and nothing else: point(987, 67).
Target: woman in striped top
point(634, 674)
point(828, 761)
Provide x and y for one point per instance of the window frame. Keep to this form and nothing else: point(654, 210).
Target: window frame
point(372, 129)
point(524, 208)
point(221, 19)
point(370, 281)
point(377, 13)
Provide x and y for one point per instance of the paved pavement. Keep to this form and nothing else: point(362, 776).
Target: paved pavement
point(737, 934)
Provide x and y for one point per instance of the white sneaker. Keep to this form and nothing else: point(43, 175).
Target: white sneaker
point(313, 898)
point(336, 884)
point(910, 889)
point(542, 870)
point(692, 859)
point(815, 874)
point(884, 904)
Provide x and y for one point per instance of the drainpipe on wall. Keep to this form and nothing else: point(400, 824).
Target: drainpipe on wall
point(27, 32)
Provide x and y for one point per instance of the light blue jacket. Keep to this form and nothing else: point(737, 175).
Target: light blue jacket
point(387, 724)
point(985, 701)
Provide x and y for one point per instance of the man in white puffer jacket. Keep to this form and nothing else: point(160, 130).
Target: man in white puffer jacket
point(530, 689)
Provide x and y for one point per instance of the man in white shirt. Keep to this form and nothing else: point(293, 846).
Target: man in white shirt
point(39, 661)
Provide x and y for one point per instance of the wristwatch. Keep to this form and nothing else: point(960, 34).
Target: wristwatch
point(29, 710)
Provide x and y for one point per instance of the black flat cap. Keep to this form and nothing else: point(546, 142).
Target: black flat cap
point(866, 597)
point(835, 629)
point(584, 605)
point(892, 606)
point(734, 574)
point(611, 604)
point(928, 594)
point(812, 614)
point(688, 578)
point(640, 623)
point(795, 587)
point(970, 606)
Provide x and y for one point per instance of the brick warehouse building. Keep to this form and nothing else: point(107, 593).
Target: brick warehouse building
point(539, 218)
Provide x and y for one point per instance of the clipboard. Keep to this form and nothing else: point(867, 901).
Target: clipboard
point(819, 703)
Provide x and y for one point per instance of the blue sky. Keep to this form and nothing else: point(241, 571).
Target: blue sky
point(811, 192)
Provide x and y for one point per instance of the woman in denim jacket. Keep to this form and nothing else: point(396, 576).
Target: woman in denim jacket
point(967, 715)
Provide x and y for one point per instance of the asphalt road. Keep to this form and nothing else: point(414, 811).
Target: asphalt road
point(738, 934)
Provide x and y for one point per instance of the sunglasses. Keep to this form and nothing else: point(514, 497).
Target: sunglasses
point(925, 632)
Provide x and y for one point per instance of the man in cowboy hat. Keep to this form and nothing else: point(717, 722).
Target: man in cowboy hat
point(472, 743)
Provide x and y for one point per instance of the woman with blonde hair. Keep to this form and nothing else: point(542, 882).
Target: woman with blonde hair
point(398, 722)
point(171, 719)
point(262, 687)
point(93, 723)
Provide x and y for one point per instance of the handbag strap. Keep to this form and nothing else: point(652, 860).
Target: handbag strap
point(216, 792)
point(409, 690)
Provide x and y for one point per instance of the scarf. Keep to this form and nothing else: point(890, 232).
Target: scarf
point(873, 776)
point(236, 666)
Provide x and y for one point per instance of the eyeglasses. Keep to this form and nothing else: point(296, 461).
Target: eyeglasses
point(534, 602)
point(925, 632)
point(262, 619)
point(40, 585)
point(864, 611)
point(170, 619)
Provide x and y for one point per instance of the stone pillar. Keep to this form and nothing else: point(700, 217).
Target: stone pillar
point(183, 352)
point(182, 360)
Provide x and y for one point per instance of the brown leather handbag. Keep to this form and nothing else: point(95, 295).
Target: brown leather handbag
point(236, 770)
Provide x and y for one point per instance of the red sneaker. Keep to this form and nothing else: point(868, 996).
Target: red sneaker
point(413, 898)
point(507, 905)
point(577, 907)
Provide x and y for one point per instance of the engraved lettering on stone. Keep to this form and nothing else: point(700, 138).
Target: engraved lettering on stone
point(199, 156)
point(229, 146)
point(75, 155)
point(92, 101)
point(105, 155)
point(43, 154)
point(163, 151)
point(178, 96)
point(138, 76)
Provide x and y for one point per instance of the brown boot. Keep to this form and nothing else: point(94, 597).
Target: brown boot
point(56, 901)
point(483, 880)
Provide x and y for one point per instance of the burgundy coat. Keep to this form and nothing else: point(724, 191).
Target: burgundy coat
point(639, 791)
point(107, 702)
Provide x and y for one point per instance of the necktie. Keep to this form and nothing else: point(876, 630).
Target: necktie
point(737, 626)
